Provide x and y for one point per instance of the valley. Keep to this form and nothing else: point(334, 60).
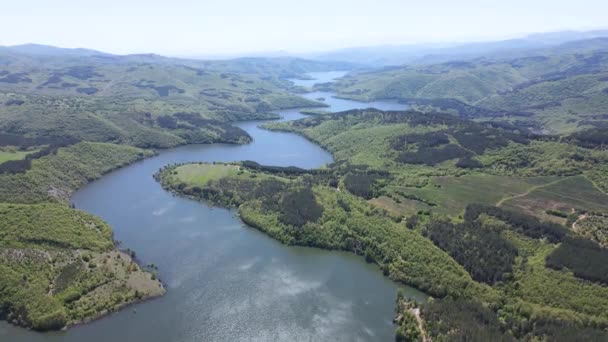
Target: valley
point(279, 199)
point(206, 242)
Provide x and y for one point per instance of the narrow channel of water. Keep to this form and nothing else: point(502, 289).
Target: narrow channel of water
point(225, 281)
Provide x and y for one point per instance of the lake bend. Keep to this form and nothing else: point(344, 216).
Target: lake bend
point(226, 281)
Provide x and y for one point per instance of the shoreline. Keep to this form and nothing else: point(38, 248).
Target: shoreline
point(148, 154)
point(158, 176)
point(151, 154)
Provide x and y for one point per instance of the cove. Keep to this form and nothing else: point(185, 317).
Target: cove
point(226, 281)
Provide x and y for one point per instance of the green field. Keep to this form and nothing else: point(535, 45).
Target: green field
point(203, 173)
point(567, 195)
point(16, 155)
point(452, 194)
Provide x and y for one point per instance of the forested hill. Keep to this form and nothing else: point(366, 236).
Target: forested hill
point(556, 90)
point(142, 100)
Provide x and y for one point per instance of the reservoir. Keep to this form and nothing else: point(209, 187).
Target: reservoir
point(226, 281)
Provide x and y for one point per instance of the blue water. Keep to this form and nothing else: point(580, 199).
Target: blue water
point(225, 281)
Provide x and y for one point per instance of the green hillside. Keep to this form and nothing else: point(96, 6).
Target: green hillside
point(147, 102)
point(60, 267)
point(559, 90)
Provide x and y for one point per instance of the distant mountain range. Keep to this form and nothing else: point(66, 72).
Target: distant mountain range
point(51, 55)
point(437, 53)
point(368, 56)
point(48, 50)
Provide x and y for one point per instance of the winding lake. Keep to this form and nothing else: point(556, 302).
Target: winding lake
point(225, 281)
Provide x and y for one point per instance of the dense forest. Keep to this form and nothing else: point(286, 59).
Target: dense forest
point(586, 259)
point(481, 251)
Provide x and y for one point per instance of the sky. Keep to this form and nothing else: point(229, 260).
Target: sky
point(225, 27)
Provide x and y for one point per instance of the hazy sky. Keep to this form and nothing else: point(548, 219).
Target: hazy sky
point(203, 27)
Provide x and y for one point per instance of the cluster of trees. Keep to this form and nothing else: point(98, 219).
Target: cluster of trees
point(22, 165)
point(14, 102)
point(486, 255)
point(17, 77)
point(585, 258)
point(235, 191)
point(87, 90)
point(469, 320)
point(411, 117)
point(282, 170)
point(594, 227)
point(167, 121)
point(556, 213)
point(359, 180)
point(592, 63)
point(595, 123)
point(479, 139)
point(430, 139)
point(363, 184)
point(431, 156)
point(434, 147)
point(468, 163)
point(189, 125)
point(462, 320)
point(229, 134)
point(195, 119)
point(23, 142)
point(591, 138)
point(298, 207)
point(163, 90)
point(565, 332)
point(81, 72)
point(52, 80)
point(407, 330)
point(472, 137)
point(294, 202)
point(522, 223)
